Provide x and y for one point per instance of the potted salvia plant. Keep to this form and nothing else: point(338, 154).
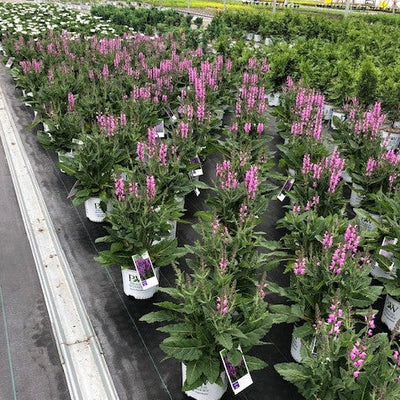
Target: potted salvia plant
point(380, 174)
point(207, 318)
point(346, 362)
point(319, 185)
point(301, 119)
point(384, 246)
point(336, 263)
point(240, 191)
point(241, 252)
point(358, 140)
point(94, 162)
point(139, 229)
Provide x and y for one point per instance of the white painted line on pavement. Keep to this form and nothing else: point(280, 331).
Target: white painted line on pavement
point(81, 355)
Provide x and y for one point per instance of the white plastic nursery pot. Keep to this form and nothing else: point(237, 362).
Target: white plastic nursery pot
point(295, 348)
point(93, 210)
point(268, 41)
point(339, 115)
point(257, 38)
point(346, 177)
point(274, 99)
point(328, 111)
point(291, 172)
point(207, 391)
point(172, 234)
point(132, 286)
point(356, 198)
point(368, 225)
point(249, 36)
point(391, 312)
point(392, 139)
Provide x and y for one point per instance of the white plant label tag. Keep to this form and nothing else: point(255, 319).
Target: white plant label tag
point(387, 242)
point(285, 189)
point(160, 130)
point(198, 171)
point(238, 375)
point(391, 312)
point(144, 268)
point(77, 142)
point(10, 62)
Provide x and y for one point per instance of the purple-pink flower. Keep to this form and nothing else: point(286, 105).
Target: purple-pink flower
point(251, 181)
point(151, 187)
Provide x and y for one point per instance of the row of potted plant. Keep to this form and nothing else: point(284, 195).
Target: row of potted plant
point(322, 50)
point(329, 258)
point(144, 163)
point(136, 166)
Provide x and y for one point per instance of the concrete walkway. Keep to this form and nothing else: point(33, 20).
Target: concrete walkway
point(29, 364)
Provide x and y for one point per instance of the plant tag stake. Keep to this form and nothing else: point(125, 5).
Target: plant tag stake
point(160, 130)
point(238, 375)
point(145, 270)
point(386, 242)
point(170, 114)
point(198, 171)
point(285, 189)
point(10, 62)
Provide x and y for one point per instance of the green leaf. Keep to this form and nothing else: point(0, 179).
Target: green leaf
point(158, 316)
point(236, 332)
point(292, 372)
point(225, 340)
point(202, 185)
point(254, 363)
point(186, 387)
point(193, 371)
point(116, 246)
point(182, 349)
point(173, 292)
point(211, 367)
point(169, 306)
point(176, 329)
point(303, 331)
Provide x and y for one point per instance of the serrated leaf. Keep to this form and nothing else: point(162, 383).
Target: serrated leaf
point(176, 329)
point(254, 363)
point(193, 372)
point(158, 316)
point(116, 246)
point(182, 349)
point(225, 340)
point(293, 372)
point(169, 306)
point(186, 387)
point(202, 185)
point(211, 368)
point(303, 331)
